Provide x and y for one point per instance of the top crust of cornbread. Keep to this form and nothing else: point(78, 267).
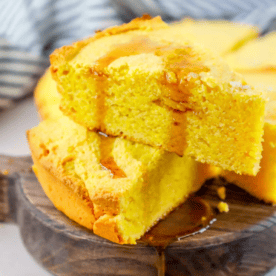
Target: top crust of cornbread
point(146, 82)
point(66, 53)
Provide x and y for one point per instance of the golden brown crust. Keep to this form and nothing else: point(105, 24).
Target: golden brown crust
point(39, 151)
point(66, 53)
point(109, 203)
point(106, 227)
point(73, 200)
point(75, 206)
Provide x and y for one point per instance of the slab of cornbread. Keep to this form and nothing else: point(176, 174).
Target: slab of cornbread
point(115, 187)
point(263, 185)
point(258, 55)
point(256, 62)
point(221, 37)
point(144, 81)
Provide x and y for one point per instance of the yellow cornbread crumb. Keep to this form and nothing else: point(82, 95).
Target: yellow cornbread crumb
point(144, 82)
point(223, 207)
point(5, 172)
point(221, 192)
point(124, 187)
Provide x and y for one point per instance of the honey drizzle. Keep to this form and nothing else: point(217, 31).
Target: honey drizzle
point(179, 62)
point(192, 217)
point(106, 159)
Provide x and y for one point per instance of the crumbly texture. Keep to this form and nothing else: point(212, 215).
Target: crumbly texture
point(256, 61)
point(144, 81)
point(263, 185)
point(257, 56)
point(127, 187)
point(228, 36)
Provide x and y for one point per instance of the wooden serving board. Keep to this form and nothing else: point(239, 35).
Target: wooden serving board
point(240, 242)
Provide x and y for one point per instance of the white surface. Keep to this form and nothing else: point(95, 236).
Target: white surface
point(13, 125)
point(14, 258)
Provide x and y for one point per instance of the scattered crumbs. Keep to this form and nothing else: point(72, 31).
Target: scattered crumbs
point(221, 192)
point(223, 207)
point(5, 172)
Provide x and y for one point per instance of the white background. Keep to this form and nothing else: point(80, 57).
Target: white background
point(14, 259)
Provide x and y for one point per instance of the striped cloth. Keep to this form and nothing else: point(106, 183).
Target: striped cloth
point(31, 29)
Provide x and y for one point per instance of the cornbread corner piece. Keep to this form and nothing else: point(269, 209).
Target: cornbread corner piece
point(263, 185)
point(221, 37)
point(256, 56)
point(150, 86)
point(115, 187)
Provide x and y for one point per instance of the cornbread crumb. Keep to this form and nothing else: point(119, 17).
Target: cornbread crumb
point(5, 172)
point(223, 207)
point(221, 192)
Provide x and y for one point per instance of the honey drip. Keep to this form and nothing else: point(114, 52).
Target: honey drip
point(106, 159)
point(180, 60)
point(192, 217)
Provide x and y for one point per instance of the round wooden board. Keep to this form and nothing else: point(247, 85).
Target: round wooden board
point(240, 242)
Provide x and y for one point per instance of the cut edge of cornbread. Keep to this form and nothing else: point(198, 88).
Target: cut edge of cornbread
point(263, 185)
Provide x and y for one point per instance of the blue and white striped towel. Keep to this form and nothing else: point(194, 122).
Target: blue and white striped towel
point(31, 29)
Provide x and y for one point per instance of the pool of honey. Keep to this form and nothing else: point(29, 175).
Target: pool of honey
point(192, 217)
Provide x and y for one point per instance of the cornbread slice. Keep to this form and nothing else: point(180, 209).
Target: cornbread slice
point(120, 188)
point(257, 55)
point(263, 185)
point(141, 82)
point(221, 37)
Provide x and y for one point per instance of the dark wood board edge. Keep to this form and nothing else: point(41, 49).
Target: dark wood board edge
point(64, 248)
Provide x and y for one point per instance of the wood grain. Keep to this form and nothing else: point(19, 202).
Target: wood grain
point(241, 242)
